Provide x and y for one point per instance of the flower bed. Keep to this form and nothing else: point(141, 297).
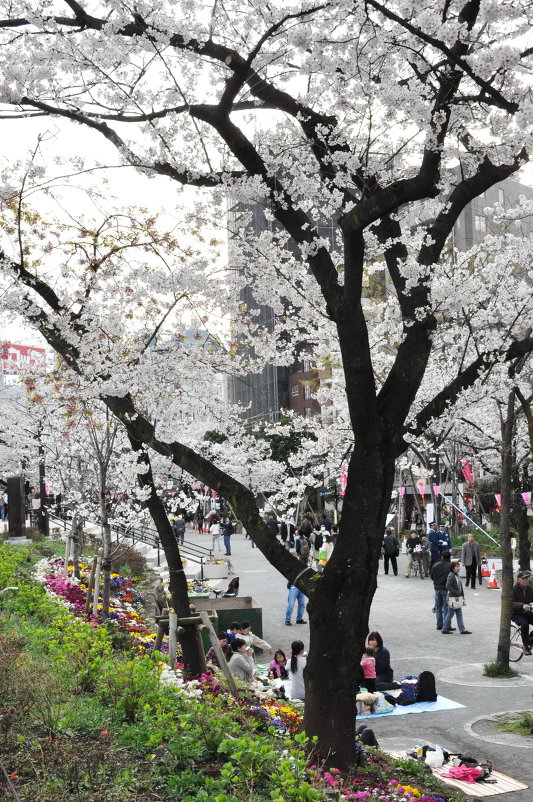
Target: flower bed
point(125, 605)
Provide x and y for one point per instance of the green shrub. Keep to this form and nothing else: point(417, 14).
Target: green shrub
point(499, 670)
point(521, 723)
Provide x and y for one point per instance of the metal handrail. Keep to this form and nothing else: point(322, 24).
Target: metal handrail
point(151, 538)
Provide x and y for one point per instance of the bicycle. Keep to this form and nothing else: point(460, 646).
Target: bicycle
point(417, 564)
point(516, 647)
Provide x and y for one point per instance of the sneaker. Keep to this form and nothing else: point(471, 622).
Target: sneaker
point(527, 651)
point(453, 629)
point(439, 627)
point(300, 621)
point(288, 624)
point(446, 632)
point(466, 632)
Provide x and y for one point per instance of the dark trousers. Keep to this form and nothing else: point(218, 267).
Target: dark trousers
point(471, 573)
point(392, 558)
point(370, 684)
point(523, 620)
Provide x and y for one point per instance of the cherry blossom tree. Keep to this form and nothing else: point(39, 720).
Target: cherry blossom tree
point(387, 118)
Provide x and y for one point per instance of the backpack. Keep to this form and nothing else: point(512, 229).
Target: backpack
point(409, 687)
point(427, 691)
point(304, 547)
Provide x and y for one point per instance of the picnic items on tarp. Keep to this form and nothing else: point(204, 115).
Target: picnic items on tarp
point(459, 767)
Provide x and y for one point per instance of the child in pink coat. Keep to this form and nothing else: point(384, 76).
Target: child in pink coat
point(368, 664)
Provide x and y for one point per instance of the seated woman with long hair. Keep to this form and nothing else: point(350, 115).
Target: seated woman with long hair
point(296, 670)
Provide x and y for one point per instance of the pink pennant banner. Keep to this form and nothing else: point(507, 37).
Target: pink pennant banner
point(401, 492)
point(527, 498)
point(343, 479)
point(466, 469)
point(436, 489)
point(498, 497)
point(421, 488)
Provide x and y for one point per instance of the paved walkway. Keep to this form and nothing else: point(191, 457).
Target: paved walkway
point(401, 612)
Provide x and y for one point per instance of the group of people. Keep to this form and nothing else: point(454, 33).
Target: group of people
point(221, 528)
point(426, 549)
point(238, 645)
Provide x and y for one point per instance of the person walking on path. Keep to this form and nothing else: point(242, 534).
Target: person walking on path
point(295, 596)
point(522, 613)
point(471, 559)
point(391, 550)
point(227, 530)
point(456, 594)
point(439, 574)
point(411, 544)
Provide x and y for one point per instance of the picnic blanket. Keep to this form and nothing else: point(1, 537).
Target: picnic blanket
point(442, 703)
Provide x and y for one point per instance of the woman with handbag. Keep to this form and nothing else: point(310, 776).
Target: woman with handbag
point(456, 601)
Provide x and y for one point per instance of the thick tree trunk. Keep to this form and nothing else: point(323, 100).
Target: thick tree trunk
point(106, 545)
point(505, 534)
point(189, 636)
point(339, 611)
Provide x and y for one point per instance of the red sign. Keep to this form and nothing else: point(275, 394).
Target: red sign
point(21, 358)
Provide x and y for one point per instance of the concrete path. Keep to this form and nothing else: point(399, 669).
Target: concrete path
point(401, 612)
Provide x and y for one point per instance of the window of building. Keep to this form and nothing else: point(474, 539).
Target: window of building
point(307, 391)
point(480, 223)
point(295, 390)
point(306, 362)
point(308, 412)
point(501, 198)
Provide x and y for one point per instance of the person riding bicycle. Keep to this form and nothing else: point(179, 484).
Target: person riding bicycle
point(522, 609)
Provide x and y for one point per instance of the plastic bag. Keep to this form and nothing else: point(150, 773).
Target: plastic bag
point(434, 757)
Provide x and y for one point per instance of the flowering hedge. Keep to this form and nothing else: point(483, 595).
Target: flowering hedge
point(125, 607)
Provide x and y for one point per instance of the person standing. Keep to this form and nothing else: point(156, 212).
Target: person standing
point(214, 530)
point(179, 529)
point(272, 525)
point(391, 550)
point(522, 613)
point(227, 530)
point(439, 574)
point(295, 596)
point(471, 559)
point(434, 544)
point(445, 543)
point(456, 595)
point(411, 544)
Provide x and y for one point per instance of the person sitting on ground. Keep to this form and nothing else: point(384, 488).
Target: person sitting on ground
point(277, 669)
point(233, 631)
point(212, 656)
point(253, 640)
point(522, 614)
point(384, 672)
point(241, 662)
point(366, 736)
point(296, 670)
point(368, 664)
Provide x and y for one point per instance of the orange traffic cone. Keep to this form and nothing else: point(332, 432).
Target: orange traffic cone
point(493, 582)
point(484, 566)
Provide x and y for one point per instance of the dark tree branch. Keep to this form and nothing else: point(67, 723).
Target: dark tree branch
point(454, 58)
point(465, 379)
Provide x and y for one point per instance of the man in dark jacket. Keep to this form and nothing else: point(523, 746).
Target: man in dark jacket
point(471, 559)
point(272, 525)
point(434, 543)
point(439, 574)
point(391, 549)
point(522, 614)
